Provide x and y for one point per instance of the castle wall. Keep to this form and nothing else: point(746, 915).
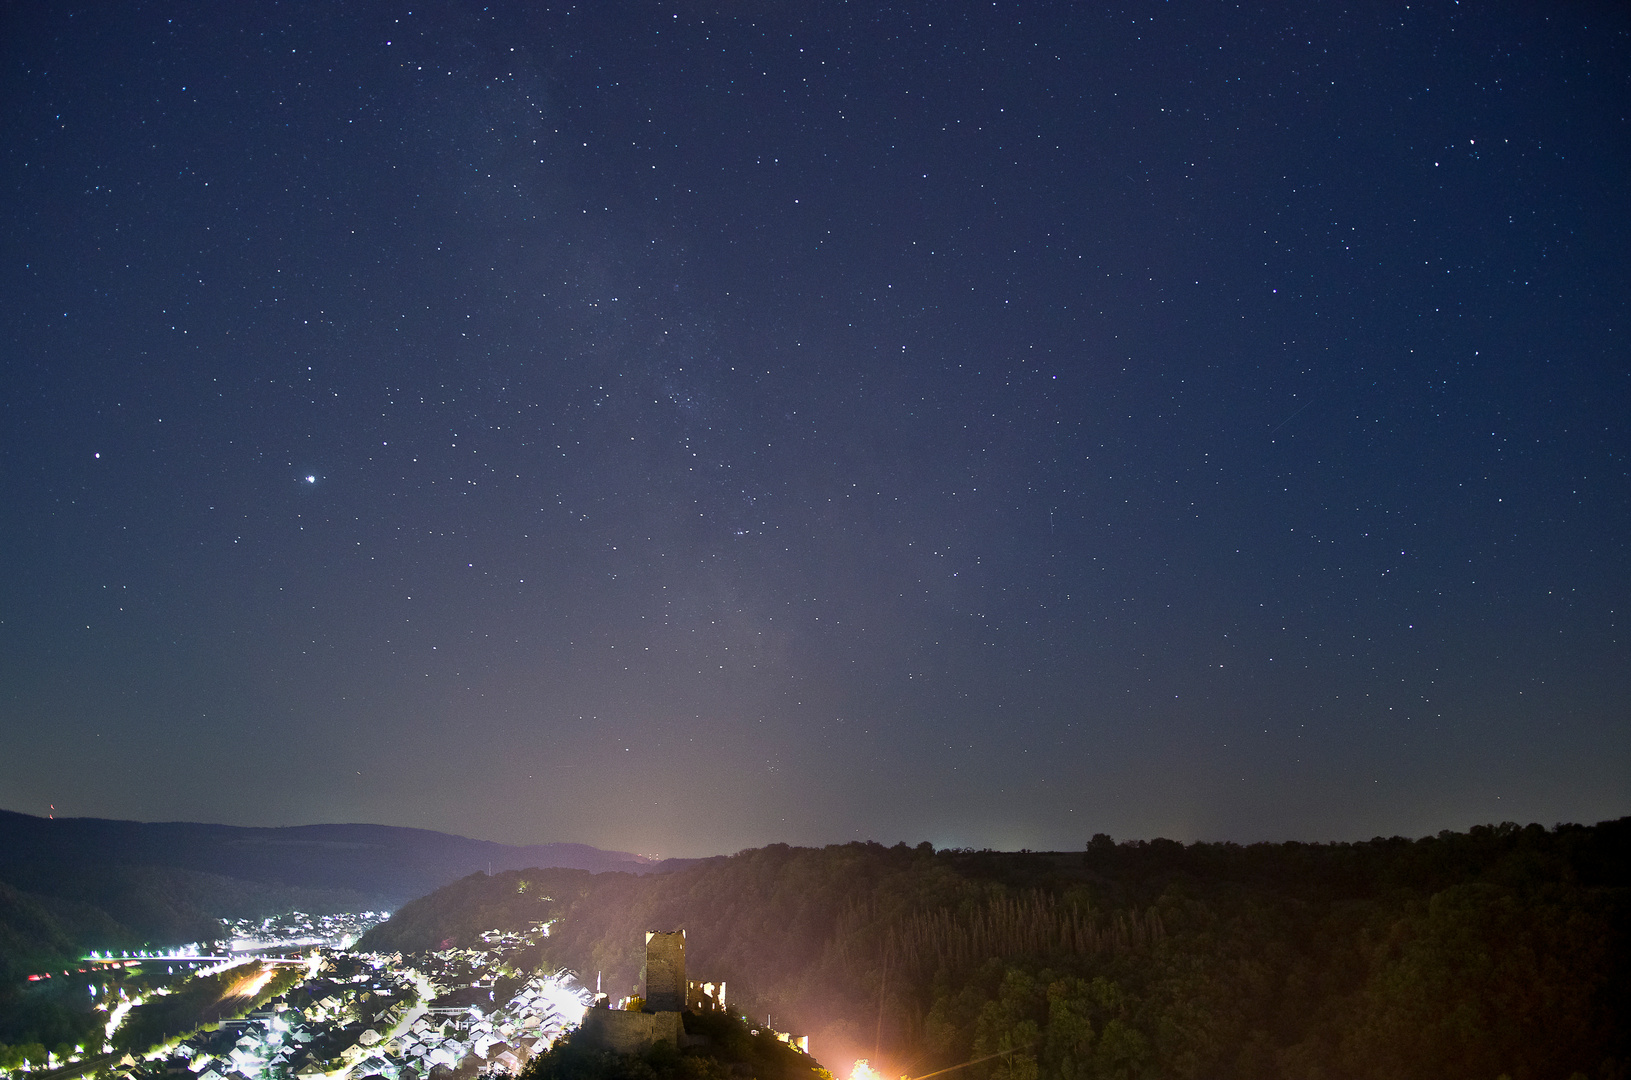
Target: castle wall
point(632, 1032)
point(701, 996)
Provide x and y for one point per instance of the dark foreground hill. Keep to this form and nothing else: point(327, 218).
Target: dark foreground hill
point(1501, 951)
point(722, 1047)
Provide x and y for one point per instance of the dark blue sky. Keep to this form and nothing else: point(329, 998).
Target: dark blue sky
point(678, 427)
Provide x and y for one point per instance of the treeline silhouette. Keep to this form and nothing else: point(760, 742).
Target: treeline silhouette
point(1501, 951)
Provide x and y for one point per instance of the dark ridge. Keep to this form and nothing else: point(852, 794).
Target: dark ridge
point(381, 864)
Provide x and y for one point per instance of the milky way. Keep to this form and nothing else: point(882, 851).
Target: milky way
point(678, 429)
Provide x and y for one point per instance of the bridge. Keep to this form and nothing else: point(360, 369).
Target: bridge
point(190, 958)
point(105, 962)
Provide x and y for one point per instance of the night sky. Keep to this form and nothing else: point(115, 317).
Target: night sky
point(678, 427)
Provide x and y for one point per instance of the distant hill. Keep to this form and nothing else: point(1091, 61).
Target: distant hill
point(384, 864)
point(69, 884)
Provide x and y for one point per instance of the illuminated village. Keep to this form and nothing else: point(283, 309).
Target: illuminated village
point(452, 1014)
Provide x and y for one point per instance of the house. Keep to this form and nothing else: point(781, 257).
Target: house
point(374, 1065)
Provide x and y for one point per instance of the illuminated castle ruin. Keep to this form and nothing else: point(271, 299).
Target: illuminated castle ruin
point(667, 996)
point(627, 1032)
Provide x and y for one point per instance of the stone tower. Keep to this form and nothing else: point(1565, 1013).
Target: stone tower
point(665, 971)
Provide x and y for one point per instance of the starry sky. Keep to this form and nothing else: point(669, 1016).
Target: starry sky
point(681, 426)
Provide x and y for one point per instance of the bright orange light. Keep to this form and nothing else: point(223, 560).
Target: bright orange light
point(253, 984)
point(863, 1071)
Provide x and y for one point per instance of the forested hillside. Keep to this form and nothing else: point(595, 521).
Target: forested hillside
point(1503, 950)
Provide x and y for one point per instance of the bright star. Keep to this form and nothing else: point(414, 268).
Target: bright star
point(311, 479)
